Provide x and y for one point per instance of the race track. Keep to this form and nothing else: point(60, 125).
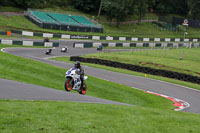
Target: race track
point(21, 91)
point(187, 94)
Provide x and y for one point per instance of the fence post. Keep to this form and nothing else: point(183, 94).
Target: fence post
point(164, 52)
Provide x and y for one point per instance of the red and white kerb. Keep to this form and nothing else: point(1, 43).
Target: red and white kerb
point(180, 104)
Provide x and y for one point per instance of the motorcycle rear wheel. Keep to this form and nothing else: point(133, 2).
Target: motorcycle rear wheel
point(68, 86)
point(83, 89)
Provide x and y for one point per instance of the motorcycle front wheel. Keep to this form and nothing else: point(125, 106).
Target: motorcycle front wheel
point(68, 85)
point(83, 89)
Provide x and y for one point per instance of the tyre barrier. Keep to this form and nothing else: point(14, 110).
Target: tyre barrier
point(28, 43)
point(147, 70)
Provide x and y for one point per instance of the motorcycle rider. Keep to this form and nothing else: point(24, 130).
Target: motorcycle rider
point(77, 65)
point(46, 39)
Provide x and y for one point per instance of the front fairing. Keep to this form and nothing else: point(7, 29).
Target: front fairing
point(73, 73)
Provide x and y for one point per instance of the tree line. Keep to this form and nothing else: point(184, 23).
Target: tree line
point(117, 10)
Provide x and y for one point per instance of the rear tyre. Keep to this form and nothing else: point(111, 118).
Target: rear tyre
point(83, 89)
point(68, 85)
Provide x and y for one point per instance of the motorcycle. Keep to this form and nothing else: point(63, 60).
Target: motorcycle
point(64, 49)
point(99, 48)
point(48, 51)
point(73, 81)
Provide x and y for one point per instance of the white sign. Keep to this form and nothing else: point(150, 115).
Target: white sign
point(9, 42)
point(109, 38)
point(122, 38)
point(65, 36)
point(185, 22)
point(134, 39)
point(167, 39)
point(79, 45)
point(157, 39)
point(48, 44)
point(146, 39)
point(47, 35)
point(27, 43)
point(139, 44)
point(96, 44)
point(26, 33)
point(111, 44)
point(126, 44)
point(96, 37)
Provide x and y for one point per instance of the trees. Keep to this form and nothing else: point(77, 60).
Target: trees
point(193, 8)
point(141, 8)
point(117, 10)
point(29, 3)
point(171, 7)
point(6, 2)
point(86, 5)
point(188, 8)
point(34, 3)
point(121, 9)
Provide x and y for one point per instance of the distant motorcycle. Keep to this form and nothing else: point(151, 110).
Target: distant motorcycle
point(46, 40)
point(73, 81)
point(48, 51)
point(64, 49)
point(99, 48)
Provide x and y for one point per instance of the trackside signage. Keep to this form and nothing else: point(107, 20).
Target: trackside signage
point(79, 37)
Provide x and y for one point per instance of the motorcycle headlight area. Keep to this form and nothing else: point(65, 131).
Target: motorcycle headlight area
point(68, 72)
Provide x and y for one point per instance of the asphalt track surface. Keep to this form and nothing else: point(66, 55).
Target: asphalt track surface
point(189, 95)
point(21, 91)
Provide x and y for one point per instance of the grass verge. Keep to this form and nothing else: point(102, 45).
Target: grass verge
point(41, 116)
point(158, 59)
point(8, 37)
point(10, 9)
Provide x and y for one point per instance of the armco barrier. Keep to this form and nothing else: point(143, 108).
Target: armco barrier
point(133, 44)
point(147, 70)
point(28, 43)
point(108, 38)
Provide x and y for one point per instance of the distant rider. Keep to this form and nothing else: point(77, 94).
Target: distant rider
point(77, 65)
point(100, 47)
point(46, 39)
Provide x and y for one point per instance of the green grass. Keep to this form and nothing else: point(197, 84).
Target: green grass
point(158, 59)
point(10, 9)
point(143, 57)
point(40, 116)
point(148, 16)
point(8, 37)
point(151, 114)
